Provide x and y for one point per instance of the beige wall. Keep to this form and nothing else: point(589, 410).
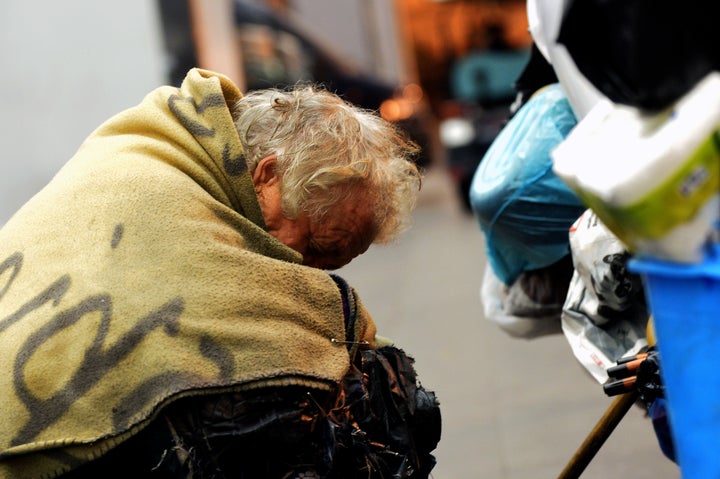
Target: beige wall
point(364, 32)
point(67, 66)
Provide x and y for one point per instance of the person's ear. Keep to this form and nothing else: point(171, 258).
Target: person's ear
point(265, 173)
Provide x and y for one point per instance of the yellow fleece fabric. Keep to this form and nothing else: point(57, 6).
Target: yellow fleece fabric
point(143, 273)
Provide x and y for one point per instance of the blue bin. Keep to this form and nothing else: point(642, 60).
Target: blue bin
point(685, 303)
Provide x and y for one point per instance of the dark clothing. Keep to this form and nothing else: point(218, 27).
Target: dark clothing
point(378, 424)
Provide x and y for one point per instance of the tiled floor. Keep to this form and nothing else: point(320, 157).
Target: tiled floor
point(512, 408)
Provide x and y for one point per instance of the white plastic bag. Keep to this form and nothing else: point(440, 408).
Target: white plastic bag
point(531, 305)
point(605, 315)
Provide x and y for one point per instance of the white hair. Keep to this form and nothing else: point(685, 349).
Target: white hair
point(327, 150)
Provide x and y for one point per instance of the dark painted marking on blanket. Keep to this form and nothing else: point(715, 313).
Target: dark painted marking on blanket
point(176, 104)
point(117, 235)
point(53, 293)
point(233, 166)
point(99, 358)
point(221, 356)
point(14, 261)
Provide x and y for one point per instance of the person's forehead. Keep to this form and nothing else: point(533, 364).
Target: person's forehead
point(346, 231)
point(350, 221)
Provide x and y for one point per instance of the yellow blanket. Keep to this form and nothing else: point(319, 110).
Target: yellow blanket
point(142, 273)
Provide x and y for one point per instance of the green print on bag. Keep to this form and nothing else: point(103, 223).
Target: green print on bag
point(674, 202)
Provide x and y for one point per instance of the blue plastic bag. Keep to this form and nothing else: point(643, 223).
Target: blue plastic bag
point(524, 210)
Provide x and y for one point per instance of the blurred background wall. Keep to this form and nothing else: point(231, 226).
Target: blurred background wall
point(67, 66)
point(70, 65)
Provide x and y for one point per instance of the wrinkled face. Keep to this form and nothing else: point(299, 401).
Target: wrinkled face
point(343, 234)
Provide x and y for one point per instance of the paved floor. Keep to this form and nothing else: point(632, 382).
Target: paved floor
point(512, 408)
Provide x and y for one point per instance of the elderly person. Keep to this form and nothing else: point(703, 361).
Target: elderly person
point(164, 305)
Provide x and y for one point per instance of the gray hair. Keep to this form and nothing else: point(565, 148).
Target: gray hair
point(327, 150)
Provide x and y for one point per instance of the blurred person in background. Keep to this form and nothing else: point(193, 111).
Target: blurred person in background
point(165, 309)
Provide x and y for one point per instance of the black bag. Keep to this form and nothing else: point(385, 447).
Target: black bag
point(384, 424)
point(642, 53)
point(378, 424)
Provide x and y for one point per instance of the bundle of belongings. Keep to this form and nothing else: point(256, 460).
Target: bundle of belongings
point(525, 211)
point(650, 170)
point(553, 265)
point(615, 163)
